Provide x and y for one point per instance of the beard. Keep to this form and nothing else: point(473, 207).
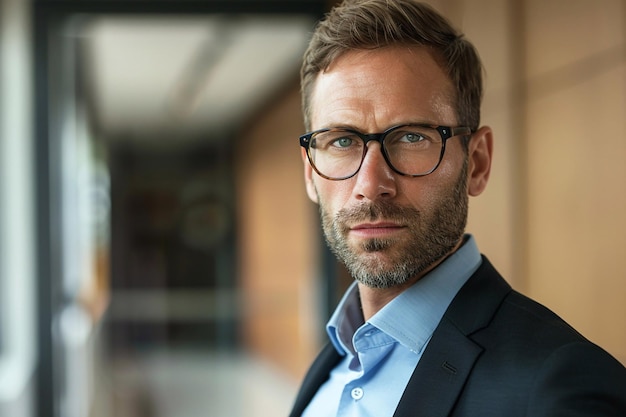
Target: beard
point(389, 262)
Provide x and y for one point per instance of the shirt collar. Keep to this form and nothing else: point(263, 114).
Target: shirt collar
point(425, 302)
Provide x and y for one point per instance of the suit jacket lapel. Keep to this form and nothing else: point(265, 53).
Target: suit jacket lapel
point(440, 374)
point(450, 355)
point(317, 375)
point(448, 359)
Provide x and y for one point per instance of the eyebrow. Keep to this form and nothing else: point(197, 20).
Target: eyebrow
point(351, 127)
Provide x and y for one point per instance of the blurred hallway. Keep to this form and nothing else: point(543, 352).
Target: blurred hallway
point(167, 383)
point(122, 127)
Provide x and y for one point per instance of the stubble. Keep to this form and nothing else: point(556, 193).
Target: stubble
point(386, 263)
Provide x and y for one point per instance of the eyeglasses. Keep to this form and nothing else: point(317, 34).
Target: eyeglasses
point(412, 150)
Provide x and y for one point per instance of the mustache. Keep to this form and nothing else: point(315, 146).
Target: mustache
point(379, 210)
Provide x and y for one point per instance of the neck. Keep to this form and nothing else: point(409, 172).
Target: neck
point(374, 299)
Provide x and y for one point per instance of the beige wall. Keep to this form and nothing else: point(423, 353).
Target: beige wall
point(277, 239)
point(553, 219)
point(576, 138)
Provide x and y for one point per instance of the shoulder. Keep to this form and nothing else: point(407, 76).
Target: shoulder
point(489, 311)
point(532, 357)
point(523, 329)
point(536, 323)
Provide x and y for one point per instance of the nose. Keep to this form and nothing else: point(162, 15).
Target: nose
point(375, 178)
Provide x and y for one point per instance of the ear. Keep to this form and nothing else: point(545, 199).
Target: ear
point(308, 177)
point(480, 154)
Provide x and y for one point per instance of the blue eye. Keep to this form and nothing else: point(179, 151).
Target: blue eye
point(343, 142)
point(412, 138)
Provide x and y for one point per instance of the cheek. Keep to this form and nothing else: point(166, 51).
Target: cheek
point(332, 195)
point(451, 168)
point(451, 162)
point(419, 193)
point(426, 193)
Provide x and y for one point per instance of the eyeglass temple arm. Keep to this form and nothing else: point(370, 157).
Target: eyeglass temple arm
point(460, 131)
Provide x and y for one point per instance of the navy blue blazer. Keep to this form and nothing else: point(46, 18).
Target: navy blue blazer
point(497, 353)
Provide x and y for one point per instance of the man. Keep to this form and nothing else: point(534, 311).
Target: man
point(429, 328)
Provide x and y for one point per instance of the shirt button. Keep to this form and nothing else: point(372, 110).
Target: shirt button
point(357, 393)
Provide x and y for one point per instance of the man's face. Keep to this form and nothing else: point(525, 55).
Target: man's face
point(387, 228)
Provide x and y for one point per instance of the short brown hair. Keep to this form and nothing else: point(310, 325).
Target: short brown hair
point(372, 24)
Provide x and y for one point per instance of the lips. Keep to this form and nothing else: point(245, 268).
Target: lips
point(377, 229)
point(377, 225)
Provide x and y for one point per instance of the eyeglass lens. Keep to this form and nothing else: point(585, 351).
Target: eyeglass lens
point(410, 150)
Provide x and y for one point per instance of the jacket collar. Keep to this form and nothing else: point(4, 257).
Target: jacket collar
point(450, 355)
point(448, 359)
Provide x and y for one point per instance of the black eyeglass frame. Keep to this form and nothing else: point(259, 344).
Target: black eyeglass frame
point(446, 132)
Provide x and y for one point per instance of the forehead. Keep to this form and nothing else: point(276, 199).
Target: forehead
point(395, 84)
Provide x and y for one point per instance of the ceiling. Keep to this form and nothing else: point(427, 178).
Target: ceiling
point(169, 80)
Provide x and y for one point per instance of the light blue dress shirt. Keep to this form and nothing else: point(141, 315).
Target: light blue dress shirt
point(381, 354)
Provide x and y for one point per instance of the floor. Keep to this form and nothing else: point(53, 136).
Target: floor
point(192, 384)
